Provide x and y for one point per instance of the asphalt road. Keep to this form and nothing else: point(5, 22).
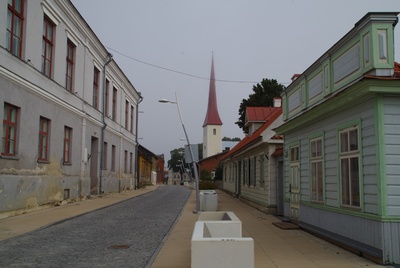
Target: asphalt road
point(126, 234)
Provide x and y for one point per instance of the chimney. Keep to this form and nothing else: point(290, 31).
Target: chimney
point(295, 76)
point(277, 102)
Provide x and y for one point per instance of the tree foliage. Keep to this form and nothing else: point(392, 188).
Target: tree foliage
point(177, 159)
point(264, 94)
point(230, 139)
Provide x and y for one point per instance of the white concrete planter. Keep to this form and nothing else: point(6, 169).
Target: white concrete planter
point(208, 200)
point(217, 242)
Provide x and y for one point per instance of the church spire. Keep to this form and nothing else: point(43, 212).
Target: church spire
point(212, 116)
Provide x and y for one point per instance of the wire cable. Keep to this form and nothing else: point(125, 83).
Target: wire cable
point(179, 72)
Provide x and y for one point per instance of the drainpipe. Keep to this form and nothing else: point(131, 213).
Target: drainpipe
point(137, 143)
point(109, 59)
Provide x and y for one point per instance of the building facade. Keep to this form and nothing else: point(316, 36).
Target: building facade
point(68, 110)
point(342, 142)
point(250, 169)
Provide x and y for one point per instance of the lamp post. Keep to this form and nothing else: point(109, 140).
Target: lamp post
point(196, 175)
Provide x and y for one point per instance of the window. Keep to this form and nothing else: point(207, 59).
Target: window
point(44, 129)
point(15, 19)
point(107, 96)
point(262, 175)
point(131, 163)
point(316, 166)
point(113, 152)
point(252, 165)
point(10, 124)
point(294, 169)
point(132, 118)
point(126, 161)
point(96, 76)
point(105, 153)
point(67, 145)
point(214, 131)
point(47, 46)
point(349, 167)
point(246, 172)
point(114, 103)
point(126, 114)
point(69, 74)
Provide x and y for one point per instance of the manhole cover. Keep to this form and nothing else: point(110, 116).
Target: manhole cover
point(119, 246)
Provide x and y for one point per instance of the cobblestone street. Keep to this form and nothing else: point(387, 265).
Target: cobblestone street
point(122, 235)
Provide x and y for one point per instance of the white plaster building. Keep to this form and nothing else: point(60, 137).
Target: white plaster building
point(69, 112)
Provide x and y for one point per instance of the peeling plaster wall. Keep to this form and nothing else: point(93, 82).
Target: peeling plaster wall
point(27, 192)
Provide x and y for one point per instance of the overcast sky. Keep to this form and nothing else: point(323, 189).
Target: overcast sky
point(165, 46)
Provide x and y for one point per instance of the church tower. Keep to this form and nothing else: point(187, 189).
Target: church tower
point(212, 140)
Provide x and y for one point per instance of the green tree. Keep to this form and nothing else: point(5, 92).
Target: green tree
point(230, 139)
point(264, 94)
point(218, 172)
point(177, 159)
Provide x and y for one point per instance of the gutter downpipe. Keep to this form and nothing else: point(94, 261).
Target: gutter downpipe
point(109, 56)
point(137, 143)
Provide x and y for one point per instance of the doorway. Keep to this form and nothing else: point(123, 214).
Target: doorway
point(93, 158)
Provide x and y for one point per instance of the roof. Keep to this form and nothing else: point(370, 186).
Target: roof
point(146, 152)
point(249, 139)
point(258, 114)
point(212, 115)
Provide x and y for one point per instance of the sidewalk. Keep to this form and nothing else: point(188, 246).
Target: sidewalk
point(273, 247)
point(14, 226)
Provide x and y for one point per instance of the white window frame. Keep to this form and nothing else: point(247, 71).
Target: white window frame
point(347, 154)
point(317, 170)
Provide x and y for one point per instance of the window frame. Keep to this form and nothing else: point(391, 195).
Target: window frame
point(48, 43)
point(125, 161)
point(126, 114)
point(132, 118)
point(105, 155)
point(262, 171)
point(96, 87)
point(107, 93)
point(113, 154)
point(44, 133)
point(348, 198)
point(70, 66)
point(317, 161)
point(130, 162)
point(114, 103)
point(67, 153)
point(8, 123)
point(11, 32)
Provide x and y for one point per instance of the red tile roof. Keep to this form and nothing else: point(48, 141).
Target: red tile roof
point(274, 114)
point(258, 114)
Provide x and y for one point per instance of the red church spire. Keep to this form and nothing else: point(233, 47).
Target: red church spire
point(212, 116)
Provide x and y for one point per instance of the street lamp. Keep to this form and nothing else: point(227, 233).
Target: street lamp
point(196, 175)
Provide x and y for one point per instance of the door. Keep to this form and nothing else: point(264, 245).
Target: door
point(294, 189)
point(93, 158)
point(280, 187)
point(294, 186)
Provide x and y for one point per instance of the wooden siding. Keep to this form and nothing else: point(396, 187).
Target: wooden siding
point(391, 236)
point(363, 113)
point(229, 178)
point(392, 148)
point(366, 231)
